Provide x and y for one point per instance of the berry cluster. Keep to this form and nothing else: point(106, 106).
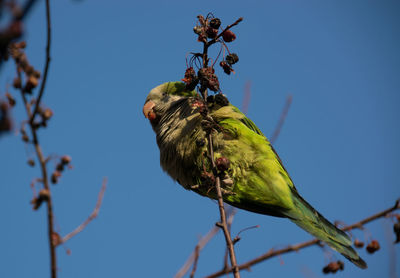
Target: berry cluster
point(209, 32)
point(31, 75)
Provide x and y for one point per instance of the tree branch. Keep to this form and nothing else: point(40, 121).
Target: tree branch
point(195, 254)
point(92, 216)
point(272, 253)
point(222, 224)
point(46, 67)
point(203, 91)
point(45, 181)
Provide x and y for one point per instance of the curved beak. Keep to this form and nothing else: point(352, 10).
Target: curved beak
point(148, 109)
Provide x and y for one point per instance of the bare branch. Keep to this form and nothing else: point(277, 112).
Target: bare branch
point(203, 91)
point(281, 119)
point(272, 253)
point(45, 180)
point(200, 245)
point(92, 216)
point(222, 224)
point(46, 67)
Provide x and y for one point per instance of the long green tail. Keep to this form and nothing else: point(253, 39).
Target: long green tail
point(306, 217)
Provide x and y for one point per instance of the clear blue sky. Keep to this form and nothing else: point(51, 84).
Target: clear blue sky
point(339, 59)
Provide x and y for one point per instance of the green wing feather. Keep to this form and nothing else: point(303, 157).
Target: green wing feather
point(262, 184)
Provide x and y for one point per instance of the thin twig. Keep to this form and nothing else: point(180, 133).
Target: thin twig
point(226, 29)
point(46, 67)
point(272, 253)
point(45, 180)
point(281, 119)
point(200, 245)
point(222, 224)
point(196, 259)
point(52, 235)
point(92, 216)
point(229, 222)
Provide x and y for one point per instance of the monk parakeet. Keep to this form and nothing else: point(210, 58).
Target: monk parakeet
point(252, 175)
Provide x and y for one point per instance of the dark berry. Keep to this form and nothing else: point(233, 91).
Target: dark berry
point(215, 23)
point(211, 33)
point(227, 68)
point(228, 36)
point(222, 163)
point(373, 246)
point(232, 58)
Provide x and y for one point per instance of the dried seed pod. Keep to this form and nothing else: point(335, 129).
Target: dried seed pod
point(29, 70)
point(333, 267)
point(47, 114)
point(36, 74)
point(215, 23)
point(358, 243)
point(60, 167)
point(11, 99)
point(31, 83)
point(222, 163)
point(65, 159)
point(228, 36)
point(202, 38)
point(44, 196)
point(56, 239)
point(232, 58)
point(25, 138)
point(31, 162)
point(17, 83)
point(211, 33)
point(197, 30)
point(227, 68)
point(373, 246)
point(20, 44)
point(190, 79)
point(55, 176)
point(208, 79)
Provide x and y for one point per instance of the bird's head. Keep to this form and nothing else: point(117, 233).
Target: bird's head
point(162, 97)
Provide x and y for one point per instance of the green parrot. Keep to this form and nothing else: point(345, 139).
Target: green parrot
point(252, 175)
